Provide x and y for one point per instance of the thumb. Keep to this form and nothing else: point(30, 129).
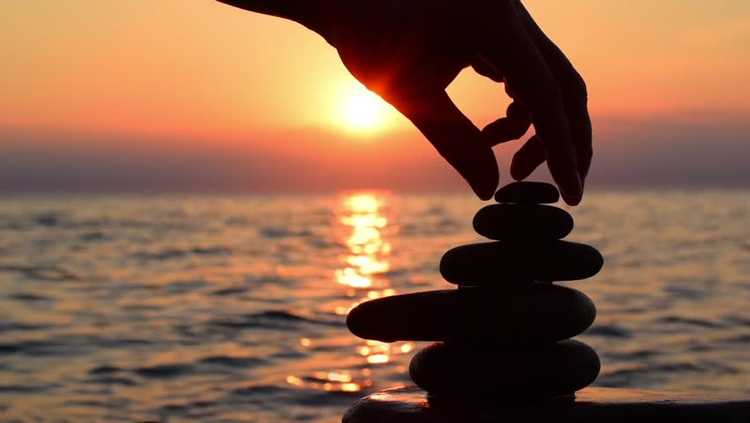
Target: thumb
point(454, 136)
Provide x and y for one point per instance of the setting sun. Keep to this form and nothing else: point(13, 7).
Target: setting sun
point(361, 110)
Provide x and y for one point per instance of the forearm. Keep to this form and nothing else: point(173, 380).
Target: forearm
point(280, 8)
point(306, 12)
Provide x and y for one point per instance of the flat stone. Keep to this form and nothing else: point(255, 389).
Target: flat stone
point(450, 371)
point(591, 405)
point(507, 263)
point(528, 193)
point(523, 222)
point(533, 314)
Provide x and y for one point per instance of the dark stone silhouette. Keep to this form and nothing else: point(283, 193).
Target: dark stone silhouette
point(590, 405)
point(528, 314)
point(528, 193)
point(504, 334)
point(506, 263)
point(480, 371)
point(523, 222)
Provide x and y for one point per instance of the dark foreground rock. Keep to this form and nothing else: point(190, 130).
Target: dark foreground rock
point(528, 193)
point(450, 371)
point(523, 222)
point(504, 263)
point(592, 405)
point(533, 314)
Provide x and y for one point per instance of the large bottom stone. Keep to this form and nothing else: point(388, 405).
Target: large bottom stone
point(459, 371)
point(592, 405)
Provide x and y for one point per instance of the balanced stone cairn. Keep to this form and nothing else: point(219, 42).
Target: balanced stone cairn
point(504, 336)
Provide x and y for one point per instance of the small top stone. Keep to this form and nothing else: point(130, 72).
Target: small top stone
point(528, 193)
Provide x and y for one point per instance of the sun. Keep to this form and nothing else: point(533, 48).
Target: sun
point(362, 111)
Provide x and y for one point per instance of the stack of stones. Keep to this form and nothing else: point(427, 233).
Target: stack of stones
point(504, 335)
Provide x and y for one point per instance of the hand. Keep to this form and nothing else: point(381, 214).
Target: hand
point(408, 52)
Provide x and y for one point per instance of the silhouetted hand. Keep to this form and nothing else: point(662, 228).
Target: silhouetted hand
point(408, 52)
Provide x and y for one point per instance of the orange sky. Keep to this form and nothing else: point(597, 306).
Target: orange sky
point(196, 75)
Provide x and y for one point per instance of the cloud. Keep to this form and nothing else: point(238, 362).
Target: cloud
point(655, 153)
point(673, 153)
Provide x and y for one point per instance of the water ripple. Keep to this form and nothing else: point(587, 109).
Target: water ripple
point(164, 371)
point(216, 308)
point(237, 362)
point(609, 331)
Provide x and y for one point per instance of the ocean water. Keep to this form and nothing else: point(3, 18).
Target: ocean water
point(210, 308)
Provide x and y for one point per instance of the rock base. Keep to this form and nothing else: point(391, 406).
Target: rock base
point(410, 405)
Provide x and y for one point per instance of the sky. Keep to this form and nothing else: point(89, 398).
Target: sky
point(193, 95)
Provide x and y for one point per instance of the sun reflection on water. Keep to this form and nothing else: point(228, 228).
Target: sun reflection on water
point(364, 275)
point(368, 250)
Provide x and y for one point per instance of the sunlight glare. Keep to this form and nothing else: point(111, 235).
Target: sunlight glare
point(362, 110)
point(362, 203)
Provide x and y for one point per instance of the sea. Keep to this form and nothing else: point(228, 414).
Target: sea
point(219, 308)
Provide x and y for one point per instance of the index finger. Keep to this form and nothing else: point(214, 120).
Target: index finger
point(511, 48)
point(455, 137)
